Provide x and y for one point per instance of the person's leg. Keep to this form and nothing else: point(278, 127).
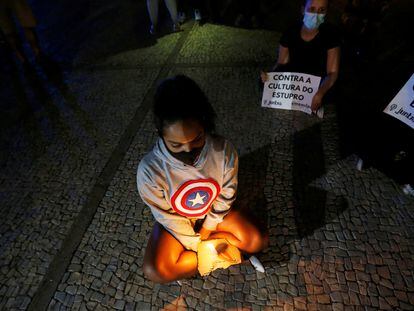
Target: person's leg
point(254, 13)
point(196, 5)
point(27, 20)
point(172, 8)
point(16, 46)
point(166, 259)
point(238, 229)
point(152, 6)
point(31, 37)
point(181, 11)
point(9, 30)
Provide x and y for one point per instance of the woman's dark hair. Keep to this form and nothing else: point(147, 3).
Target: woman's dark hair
point(304, 2)
point(179, 98)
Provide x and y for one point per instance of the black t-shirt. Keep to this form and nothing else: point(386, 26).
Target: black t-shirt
point(309, 57)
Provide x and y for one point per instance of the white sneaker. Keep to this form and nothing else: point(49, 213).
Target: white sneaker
point(360, 164)
point(320, 112)
point(153, 30)
point(197, 15)
point(256, 264)
point(408, 189)
point(179, 283)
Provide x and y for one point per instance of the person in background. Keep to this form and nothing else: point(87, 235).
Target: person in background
point(152, 6)
point(21, 11)
point(248, 14)
point(312, 47)
point(195, 5)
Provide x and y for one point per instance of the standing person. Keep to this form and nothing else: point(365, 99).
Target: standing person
point(248, 14)
point(312, 47)
point(21, 11)
point(195, 5)
point(189, 181)
point(152, 6)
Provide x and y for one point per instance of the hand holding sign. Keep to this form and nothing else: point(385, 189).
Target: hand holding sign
point(292, 91)
point(316, 102)
point(264, 76)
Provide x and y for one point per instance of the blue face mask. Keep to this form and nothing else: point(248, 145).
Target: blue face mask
point(313, 20)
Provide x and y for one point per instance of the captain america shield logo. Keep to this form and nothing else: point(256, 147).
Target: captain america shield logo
point(194, 197)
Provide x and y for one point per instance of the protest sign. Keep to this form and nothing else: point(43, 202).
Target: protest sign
point(290, 90)
point(402, 106)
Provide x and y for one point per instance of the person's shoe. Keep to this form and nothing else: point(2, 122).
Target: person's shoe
point(239, 21)
point(179, 283)
point(256, 264)
point(176, 27)
point(254, 22)
point(399, 156)
point(408, 189)
point(153, 30)
point(181, 17)
point(320, 112)
point(360, 164)
point(197, 15)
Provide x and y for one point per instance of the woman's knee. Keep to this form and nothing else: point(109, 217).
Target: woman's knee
point(158, 272)
point(255, 241)
point(161, 271)
point(151, 272)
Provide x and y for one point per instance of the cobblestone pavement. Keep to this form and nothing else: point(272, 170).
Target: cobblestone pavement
point(74, 231)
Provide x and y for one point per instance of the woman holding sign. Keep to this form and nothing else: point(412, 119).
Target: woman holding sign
point(189, 181)
point(311, 47)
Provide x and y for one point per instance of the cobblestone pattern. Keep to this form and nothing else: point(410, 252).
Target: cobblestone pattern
point(81, 35)
point(339, 239)
point(155, 54)
point(219, 44)
point(120, 230)
point(358, 255)
point(50, 170)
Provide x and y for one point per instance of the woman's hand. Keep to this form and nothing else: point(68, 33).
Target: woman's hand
point(316, 102)
point(264, 76)
point(204, 233)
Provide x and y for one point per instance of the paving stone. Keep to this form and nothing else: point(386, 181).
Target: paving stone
point(208, 285)
point(336, 297)
point(384, 272)
point(383, 304)
point(71, 290)
point(411, 297)
point(119, 304)
point(323, 299)
point(300, 303)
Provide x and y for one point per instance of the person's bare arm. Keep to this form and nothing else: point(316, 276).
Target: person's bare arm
point(282, 59)
point(332, 69)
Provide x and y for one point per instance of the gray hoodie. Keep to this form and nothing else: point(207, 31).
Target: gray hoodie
point(178, 194)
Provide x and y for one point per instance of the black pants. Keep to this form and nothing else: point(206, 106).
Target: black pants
point(189, 5)
point(249, 8)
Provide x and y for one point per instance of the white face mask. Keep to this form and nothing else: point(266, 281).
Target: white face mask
point(313, 20)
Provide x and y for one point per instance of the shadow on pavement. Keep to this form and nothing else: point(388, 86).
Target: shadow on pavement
point(309, 164)
point(21, 114)
point(32, 86)
point(251, 197)
point(95, 29)
point(252, 179)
